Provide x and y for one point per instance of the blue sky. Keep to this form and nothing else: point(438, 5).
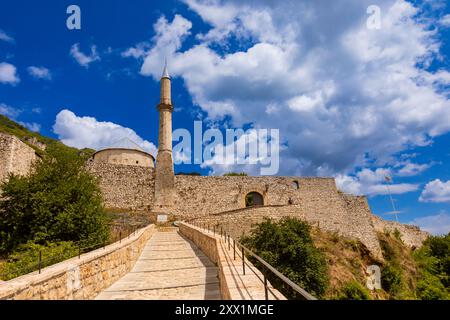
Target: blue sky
point(350, 102)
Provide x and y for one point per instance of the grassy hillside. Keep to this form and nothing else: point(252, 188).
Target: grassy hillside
point(405, 274)
point(13, 128)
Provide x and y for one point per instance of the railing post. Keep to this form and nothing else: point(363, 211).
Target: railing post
point(266, 291)
point(40, 260)
point(234, 249)
point(79, 250)
point(120, 236)
point(214, 229)
point(228, 242)
point(243, 261)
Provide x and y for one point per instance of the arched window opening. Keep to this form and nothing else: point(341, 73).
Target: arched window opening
point(254, 199)
point(295, 185)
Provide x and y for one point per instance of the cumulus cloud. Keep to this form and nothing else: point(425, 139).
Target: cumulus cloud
point(8, 73)
point(88, 132)
point(5, 37)
point(445, 20)
point(436, 224)
point(39, 72)
point(408, 168)
point(33, 126)
point(436, 191)
point(342, 95)
point(371, 183)
point(84, 59)
point(9, 111)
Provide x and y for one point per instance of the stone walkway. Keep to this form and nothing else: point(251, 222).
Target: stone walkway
point(169, 268)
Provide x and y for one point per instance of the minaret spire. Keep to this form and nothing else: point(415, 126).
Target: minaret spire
point(165, 71)
point(164, 174)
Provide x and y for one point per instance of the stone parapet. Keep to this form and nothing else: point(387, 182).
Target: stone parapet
point(79, 278)
point(234, 284)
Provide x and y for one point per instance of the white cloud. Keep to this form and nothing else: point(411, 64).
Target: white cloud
point(9, 111)
point(88, 132)
point(345, 95)
point(371, 183)
point(445, 20)
point(436, 191)
point(5, 37)
point(39, 72)
point(8, 73)
point(84, 59)
point(408, 169)
point(33, 126)
point(437, 224)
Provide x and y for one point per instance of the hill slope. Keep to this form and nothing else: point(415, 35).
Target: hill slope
point(11, 127)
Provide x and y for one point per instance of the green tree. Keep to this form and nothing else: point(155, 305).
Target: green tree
point(287, 246)
point(433, 259)
point(59, 201)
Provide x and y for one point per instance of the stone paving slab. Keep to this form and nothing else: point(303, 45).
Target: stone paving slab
point(170, 267)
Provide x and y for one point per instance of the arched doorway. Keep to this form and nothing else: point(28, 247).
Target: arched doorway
point(254, 199)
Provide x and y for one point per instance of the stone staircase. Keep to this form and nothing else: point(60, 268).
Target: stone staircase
point(169, 268)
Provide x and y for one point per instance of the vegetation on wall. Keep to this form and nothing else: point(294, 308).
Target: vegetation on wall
point(235, 174)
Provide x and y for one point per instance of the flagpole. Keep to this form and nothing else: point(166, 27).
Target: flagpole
point(390, 197)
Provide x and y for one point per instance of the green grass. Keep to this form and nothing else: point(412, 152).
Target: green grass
point(11, 127)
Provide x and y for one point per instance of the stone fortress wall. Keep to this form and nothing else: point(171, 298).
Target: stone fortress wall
point(221, 200)
point(15, 156)
point(124, 186)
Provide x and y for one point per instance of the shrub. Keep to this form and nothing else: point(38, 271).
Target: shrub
point(433, 259)
point(353, 290)
point(26, 257)
point(60, 201)
point(231, 174)
point(288, 247)
point(391, 279)
point(398, 235)
point(429, 287)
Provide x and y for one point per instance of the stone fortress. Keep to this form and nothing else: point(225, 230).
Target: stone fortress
point(130, 181)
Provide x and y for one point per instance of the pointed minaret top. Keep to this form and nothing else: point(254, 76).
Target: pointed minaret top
point(165, 71)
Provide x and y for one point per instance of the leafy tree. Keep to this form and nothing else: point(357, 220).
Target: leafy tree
point(288, 247)
point(59, 201)
point(433, 259)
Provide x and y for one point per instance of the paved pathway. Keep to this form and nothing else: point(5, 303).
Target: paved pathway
point(169, 268)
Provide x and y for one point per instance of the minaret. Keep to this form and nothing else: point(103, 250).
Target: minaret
point(164, 177)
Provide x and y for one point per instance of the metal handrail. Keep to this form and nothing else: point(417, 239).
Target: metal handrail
point(43, 263)
point(244, 249)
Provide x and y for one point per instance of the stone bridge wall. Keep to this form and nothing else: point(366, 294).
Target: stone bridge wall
point(234, 285)
point(80, 278)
